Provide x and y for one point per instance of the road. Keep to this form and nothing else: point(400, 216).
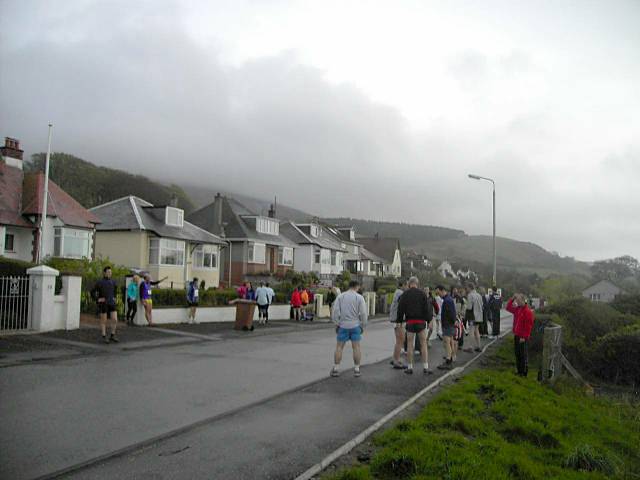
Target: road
point(190, 399)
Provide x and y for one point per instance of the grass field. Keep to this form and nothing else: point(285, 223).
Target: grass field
point(495, 425)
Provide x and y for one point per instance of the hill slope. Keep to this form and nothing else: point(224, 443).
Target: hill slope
point(92, 185)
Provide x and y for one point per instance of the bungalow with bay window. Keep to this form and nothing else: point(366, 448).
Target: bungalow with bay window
point(256, 246)
point(69, 226)
point(318, 249)
point(157, 240)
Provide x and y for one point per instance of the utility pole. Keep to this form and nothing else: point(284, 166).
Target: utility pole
point(45, 198)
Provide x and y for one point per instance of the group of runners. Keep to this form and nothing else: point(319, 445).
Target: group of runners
point(416, 313)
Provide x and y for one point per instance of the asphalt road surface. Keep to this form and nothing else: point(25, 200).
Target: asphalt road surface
point(259, 407)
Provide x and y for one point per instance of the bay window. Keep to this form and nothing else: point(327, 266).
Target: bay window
point(71, 243)
point(166, 251)
point(256, 252)
point(285, 256)
point(205, 256)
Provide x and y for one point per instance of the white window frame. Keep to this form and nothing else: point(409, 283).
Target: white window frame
point(179, 212)
point(325, 256)
point(164, 245)
point(205, 257)
point(285, 256)
point(315, 230)
point(62, 233)
point(268, 226)
point(256, 253)
point(317, 256)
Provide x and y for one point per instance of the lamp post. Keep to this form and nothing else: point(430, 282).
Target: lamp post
point(45, 198)
point(493, 183)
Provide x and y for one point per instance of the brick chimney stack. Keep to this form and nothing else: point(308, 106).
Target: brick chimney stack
point(217, 210)
point(11, 152)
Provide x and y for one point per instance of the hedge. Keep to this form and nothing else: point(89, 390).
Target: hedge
point(616, 356)
point(10, 267)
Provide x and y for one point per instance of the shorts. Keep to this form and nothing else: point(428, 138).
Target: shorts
point(147, 301)
point(448, 330)
point(193, 304)
point(104, 308)
point(416, 327)
point(263, 308)
point(346, 334)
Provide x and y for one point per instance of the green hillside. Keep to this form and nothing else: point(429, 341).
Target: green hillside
point(408, 233)
point(92, 185)
point(511, 254)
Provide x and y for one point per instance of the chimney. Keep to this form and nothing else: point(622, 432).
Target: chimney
point(272, 211)
point(11, 152)
point(217, 210)
point(173, 202)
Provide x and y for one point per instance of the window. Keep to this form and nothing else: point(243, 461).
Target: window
point(71, 243)
point(595, 297)
point(267, 225)
point(174, 217)
point(205, 256)
point(285, 256)
point(256, 252)
point(315, 230)
point(334, 256)
point(165, 251)
point(316, 256)
point(8, 242)
point(356, 249)
point(325, 257)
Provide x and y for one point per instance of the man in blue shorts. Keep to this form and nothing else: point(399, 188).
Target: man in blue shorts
point(350, 316)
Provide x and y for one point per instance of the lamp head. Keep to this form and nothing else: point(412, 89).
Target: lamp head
point(475, 177)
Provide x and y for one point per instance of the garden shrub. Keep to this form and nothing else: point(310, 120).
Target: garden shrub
point(616, 356)
point(10, 267)
point(627, 304)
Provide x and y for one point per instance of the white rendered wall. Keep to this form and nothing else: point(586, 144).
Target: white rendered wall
point(207, 314)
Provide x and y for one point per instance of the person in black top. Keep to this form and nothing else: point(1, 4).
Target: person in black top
point(414, 308)
point(105, 292)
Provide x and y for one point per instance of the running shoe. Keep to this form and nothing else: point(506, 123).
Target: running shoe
point(477, 349)
point(356, 373)
point(334, 373)
point(105, 339)
point(409, 371)
point(426, 371)
point(114, 339)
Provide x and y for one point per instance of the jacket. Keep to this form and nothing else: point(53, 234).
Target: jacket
point(495, 302)
point(474, 302)
point(107, 290)
point(295, 299)
point(448, 311)
point(192, 293)
point(523, 318)
point(393, 311)
point(304, 297)
point(414, 305)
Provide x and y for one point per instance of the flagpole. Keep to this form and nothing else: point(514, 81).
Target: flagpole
point(45, 196)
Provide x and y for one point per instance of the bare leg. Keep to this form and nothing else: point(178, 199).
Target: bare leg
point(399, 332)
point(193, 313)
point(147, 313)
point(422, 336)
point(357, 354)
point(103, 324)
point(476, 335)
point(114, 322)
point(337, 357)
point(448, 347)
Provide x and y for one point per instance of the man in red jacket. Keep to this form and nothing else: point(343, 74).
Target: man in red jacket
point(522, 326)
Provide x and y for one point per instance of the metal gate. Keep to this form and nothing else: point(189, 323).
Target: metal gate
point(14, 304)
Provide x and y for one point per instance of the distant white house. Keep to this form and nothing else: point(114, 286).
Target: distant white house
point(603, 291)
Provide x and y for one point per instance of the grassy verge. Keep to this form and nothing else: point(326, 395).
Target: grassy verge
point(495, 425)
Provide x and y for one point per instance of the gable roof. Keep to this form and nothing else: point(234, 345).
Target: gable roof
point(133, 213)
point(21, 195)
point(235, 226)
point(325, 240)
point(603, 283)
point(382, 247)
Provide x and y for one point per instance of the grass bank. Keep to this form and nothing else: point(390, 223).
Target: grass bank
point(495, 425)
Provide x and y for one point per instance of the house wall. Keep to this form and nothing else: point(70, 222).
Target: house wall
point(123, 248)
point(607, 292)
point(211, 276)
point(22, 243)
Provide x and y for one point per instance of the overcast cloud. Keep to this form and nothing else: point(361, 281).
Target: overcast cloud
point(364, 109)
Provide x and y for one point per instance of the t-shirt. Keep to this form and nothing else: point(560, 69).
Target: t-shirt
point(262, 296)
point(349, 310)
point(271, 294)
point(106, 288)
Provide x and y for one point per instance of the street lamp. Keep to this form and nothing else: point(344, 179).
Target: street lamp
point(493, 183)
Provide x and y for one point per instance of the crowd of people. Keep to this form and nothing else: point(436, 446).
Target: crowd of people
point(417, 313)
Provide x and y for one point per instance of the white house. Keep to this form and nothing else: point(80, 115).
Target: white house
point(603, 291)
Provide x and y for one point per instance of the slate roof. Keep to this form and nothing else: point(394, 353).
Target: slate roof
point(235, 225)
point(297, 234)
point(133, 213)
point(382, 247)
point(367, 255)
point(21, 195)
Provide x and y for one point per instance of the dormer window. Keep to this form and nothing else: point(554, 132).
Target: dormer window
point(174, 217)
point(268, 226)
point(315, 230)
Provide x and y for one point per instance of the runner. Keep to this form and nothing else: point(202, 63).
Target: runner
point(415, 308)
point(495, 305)
point(272, 295)
point(473, 315)
point(262, 299)
point(523, 319)
point(398, 327)
point(193, 295)
point(436, 314)
point(132, 299)
point(105, 292)
point(448, 317)
point(296, 303)
point(350, 316)
point(145, 297)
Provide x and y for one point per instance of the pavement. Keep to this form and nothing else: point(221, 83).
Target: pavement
point(236, 406)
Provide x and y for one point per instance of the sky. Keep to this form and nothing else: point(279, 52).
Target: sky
point(367, 109)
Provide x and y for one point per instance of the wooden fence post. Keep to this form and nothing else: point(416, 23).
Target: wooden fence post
point(552, 352)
